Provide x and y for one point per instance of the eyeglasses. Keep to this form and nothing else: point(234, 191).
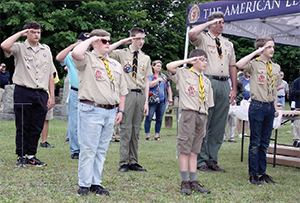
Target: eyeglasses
point(203, 60)
point(104, 41)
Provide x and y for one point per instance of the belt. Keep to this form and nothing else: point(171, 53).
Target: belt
point(280, 96)
point(74, 88)
point(221, 78)
point(136, 90)
point(105, 106)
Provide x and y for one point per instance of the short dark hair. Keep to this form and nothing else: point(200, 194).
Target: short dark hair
point(197, 52)
point(32, 25)
point(214, 15)
point(135, 31)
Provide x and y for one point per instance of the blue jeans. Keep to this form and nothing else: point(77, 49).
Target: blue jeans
point(261, 116)
point(159, 109)
point(281, 100)
point(95, 128)
point(73, 121)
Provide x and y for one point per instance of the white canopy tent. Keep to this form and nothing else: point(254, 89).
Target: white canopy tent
point(250, 19)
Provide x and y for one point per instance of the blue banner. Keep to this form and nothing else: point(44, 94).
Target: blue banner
point(241, 10)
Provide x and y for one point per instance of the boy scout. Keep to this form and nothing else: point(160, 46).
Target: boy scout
point(137, 67)
point(102, 89)
point(33, 76)
point(196, 97)
point(265, 75)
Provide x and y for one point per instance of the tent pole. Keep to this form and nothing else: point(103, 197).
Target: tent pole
point(186, 48)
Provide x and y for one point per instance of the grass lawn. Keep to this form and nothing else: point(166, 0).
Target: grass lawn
point(57, 182)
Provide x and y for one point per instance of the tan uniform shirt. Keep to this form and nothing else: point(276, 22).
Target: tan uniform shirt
point(216, 66)
point(32, 69)
point(94, 84)
point(258, 83)
point(125, 56)
point(188, 85)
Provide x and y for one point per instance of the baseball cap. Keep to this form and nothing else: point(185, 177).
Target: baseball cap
point(84, 36)
point(3, 64)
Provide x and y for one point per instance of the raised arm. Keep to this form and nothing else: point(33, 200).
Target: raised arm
point(63, 54)
point(195, 31)
point(80, 49)
point(242, 62)
point(119, 43)
point(172, 66)
point(7, 44)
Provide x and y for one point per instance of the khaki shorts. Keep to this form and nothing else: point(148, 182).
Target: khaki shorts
point(49, 115)
point(191, 131)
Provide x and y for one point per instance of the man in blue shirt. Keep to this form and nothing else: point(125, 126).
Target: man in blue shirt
point(4, 76)
point(65, 59)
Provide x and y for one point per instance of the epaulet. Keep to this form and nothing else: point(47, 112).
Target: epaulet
point(46, 46)
point(254, 60)
point(274, 62)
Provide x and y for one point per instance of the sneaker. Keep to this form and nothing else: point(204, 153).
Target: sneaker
point(83, 191)
point(254, 180)
point(215, 167)
point(195, 185)
point(46, 145)
point(267, 179)
point(136, 167)
point(21, 162)
point(124, 168)
point(239, 135)
point(185, 188)
point(204, 168)
point(34, 161)
point(99, 190)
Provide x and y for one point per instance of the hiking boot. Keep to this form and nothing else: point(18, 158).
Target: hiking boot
point(185, 188)
point(136, 167)
point(204, 168)
point(21, 162)
point(75, 156)
point(82, 191)
point(34, 161)
point(195, 185)
point(267, 179)
point(99, 190)
point(215, 167)
point(254, 180)
point(46, 145)
point(124, 168)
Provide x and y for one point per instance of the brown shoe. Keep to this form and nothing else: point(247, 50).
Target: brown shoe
point(204, 168)
point(185, 188)
point(195, 185)
point(215, 167)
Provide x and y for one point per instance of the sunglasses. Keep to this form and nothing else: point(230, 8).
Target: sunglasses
point(104, 41)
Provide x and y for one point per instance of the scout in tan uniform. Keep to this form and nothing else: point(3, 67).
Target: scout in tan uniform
point(137, 67)
point(196, 96)
point(221, 59)
point(102, 89)
point(265, 75)
point(33, 76)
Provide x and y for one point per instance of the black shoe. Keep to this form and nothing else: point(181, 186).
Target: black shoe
point(21, 162)
point(254, 180)
point(267, 179)
point(75, 156)
point(83, 191)
point(204, 168)
point(215, 167)
point(46, 145)
point(195, 185)
point(124, 168)
point(232, 140)
point(34, 161)
point(99, 190)
point(117, 140)
point(136, 167)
